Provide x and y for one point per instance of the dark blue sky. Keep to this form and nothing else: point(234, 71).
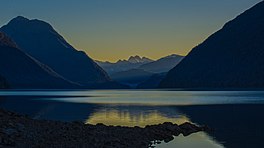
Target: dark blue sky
point(114, 29)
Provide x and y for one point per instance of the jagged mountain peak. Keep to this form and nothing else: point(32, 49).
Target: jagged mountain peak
point(138, 59)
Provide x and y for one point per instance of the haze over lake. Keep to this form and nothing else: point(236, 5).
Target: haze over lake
point(227, 112)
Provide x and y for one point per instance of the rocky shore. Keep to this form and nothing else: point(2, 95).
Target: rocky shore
point(21, 131)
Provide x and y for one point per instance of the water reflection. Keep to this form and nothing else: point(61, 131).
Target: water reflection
point(149, 115)
point(130, 117)
point(43, 108)
point(196, 140)
point(236, 116)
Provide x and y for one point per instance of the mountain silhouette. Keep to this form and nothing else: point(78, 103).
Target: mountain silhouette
point(152, 82)
point(20, 70)
point(124, 65)
point(131, 77)
point(230, 58)
point(140, 70)
point(39, 39)
point(163, 64)
point(3, 83)
point(138, 59)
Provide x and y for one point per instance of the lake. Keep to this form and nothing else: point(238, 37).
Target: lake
point(235, 116)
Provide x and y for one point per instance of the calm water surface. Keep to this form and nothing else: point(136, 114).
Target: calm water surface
point(236, 116)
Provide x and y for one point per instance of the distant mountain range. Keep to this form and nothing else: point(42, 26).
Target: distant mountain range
point(162, 65)
point(124, 65)
point(136, 62)
point(230, 58)
point(20, 70)
point(137, 59)
point(137, 70)
point(40, 41)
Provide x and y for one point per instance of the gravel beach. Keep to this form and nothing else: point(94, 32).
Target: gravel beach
point(21, 131)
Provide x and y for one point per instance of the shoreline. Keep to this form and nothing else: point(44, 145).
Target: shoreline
point(21, 131)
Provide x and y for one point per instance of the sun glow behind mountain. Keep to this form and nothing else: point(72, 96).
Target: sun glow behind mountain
point(116, 29)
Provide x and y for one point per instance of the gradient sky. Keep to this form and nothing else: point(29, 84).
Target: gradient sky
point(115, 29)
